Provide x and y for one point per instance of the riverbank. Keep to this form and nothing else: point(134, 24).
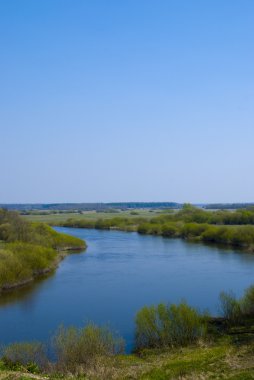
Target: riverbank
point(232, 236)
point(39, 273)
point(30, 250)
point(229, 228)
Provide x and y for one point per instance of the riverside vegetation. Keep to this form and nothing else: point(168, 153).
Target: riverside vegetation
point(171, 342)
point(29, 249)
point(234, 228)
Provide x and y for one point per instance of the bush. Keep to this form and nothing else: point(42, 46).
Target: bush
point(31, 355)
point(169, 230)
point(81, 347)
point(149, 228)
point(191, 230)
point(168, 326)
point(247, 302)
point(230, 307)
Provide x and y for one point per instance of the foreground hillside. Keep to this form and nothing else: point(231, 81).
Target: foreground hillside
point(221, 361)
point(28, 250)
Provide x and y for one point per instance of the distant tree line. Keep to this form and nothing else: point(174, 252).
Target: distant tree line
point(74, 207)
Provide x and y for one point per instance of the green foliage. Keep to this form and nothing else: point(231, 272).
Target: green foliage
point(170, 229)
point(190, 213)
point(134, 213)
point(31, 355)
point(78, 223)
point(242, 236)
point(230, 307)
point(168, 326)
point(247, 302)
point(81, 347)
point(236, 310)
point(193, 230)
point(29, 249)
point(189, 223)
point(46, 236)
point(21, 261)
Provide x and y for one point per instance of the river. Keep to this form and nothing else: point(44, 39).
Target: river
point(118, 274)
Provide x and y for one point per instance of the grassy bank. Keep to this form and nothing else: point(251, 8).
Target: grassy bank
point(28, 250)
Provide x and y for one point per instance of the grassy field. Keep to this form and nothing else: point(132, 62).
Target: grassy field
point(92, 215)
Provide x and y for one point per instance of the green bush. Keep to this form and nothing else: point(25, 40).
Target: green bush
point(230, 307)
point(150, 228)
point(169, 229)
point(247, 302)
point(45, 235)
point(168, 326)
point(31, 355)
point(81, 347)
point(191, 230)
point(78, 223)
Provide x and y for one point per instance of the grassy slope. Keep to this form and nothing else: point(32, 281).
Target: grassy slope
point(221, 361)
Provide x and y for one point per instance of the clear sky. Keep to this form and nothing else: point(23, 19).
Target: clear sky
point(131, 100)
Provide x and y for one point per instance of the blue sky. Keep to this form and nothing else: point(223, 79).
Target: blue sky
point(132, 100)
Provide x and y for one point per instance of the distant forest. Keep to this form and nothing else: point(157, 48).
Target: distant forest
point(117, 205)
point(90, 206)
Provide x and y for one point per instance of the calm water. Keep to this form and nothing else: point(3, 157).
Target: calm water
point(118, 274)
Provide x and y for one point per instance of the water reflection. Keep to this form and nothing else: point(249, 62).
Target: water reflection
point(26, 293)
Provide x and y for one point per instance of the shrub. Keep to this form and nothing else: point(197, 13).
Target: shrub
point(168, 326)
point(169, 230)
point(190, 230)
point(144, 228)
point(32, 355)
point(81, 347)
point(247, 302)
point(149, 228)
point(230, 307)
